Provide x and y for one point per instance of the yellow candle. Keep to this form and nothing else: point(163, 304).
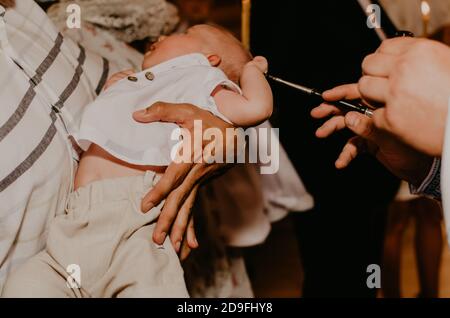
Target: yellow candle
point(425, 8)
point(245, 30)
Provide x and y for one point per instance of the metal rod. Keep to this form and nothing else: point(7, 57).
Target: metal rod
point(342, 104)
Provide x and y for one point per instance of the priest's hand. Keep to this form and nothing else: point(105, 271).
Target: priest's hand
point(410, 78)
point(399, 158)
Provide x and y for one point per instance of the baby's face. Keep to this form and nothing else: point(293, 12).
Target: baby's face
point(194, 40)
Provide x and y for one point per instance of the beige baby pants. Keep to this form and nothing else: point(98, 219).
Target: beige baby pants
point(103, 247)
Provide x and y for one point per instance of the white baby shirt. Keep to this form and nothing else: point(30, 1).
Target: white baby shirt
point(108, 120)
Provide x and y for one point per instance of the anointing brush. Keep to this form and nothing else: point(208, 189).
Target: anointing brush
point(342, 104)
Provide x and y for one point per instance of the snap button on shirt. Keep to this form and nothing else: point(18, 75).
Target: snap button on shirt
point(132, 79)
point(150, 76)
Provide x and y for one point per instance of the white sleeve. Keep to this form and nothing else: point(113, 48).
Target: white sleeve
point(216, 77)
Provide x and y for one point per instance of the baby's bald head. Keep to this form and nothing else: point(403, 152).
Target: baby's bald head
point(221, 48)
point(218, 41)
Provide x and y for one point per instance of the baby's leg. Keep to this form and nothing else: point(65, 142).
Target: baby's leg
point(142, 269)
point(39, 277)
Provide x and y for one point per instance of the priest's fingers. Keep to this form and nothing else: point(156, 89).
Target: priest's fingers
point(380, 120)
point(375, 89)
point(331, 126)
point(379, 64)
point(351, 150)
point(346, 91)
point(325, 110)
point(396, 46)
point(362, 126)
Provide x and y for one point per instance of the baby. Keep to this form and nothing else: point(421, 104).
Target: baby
point(102, 246)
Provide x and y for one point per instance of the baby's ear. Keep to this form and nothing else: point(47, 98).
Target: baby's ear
point(214, 59)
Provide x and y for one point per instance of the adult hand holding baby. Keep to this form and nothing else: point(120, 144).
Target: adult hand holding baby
point(179, 184)
point(228, 63)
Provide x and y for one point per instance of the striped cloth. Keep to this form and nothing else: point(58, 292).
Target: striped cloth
point(45, 81)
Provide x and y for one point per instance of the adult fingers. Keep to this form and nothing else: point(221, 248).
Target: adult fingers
point(325, 110)
point(180, 225)
point(396, 46)
point(191, 237)
point(171, 179)
point(353, 147)
point(331, 126)
point(379, 64)
point(346, 91)
point(379, 120)
point(185, 251)
point(173, 204)
point(362, 126)
point(190, 241)
point(374, 89)
point(166, 112)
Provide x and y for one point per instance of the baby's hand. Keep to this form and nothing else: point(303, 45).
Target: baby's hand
point(117, 77)
point(261, 63)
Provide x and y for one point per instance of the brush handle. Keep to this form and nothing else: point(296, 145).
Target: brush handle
point(346, 105)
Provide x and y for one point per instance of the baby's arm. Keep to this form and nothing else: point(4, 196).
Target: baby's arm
point(256, 104)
